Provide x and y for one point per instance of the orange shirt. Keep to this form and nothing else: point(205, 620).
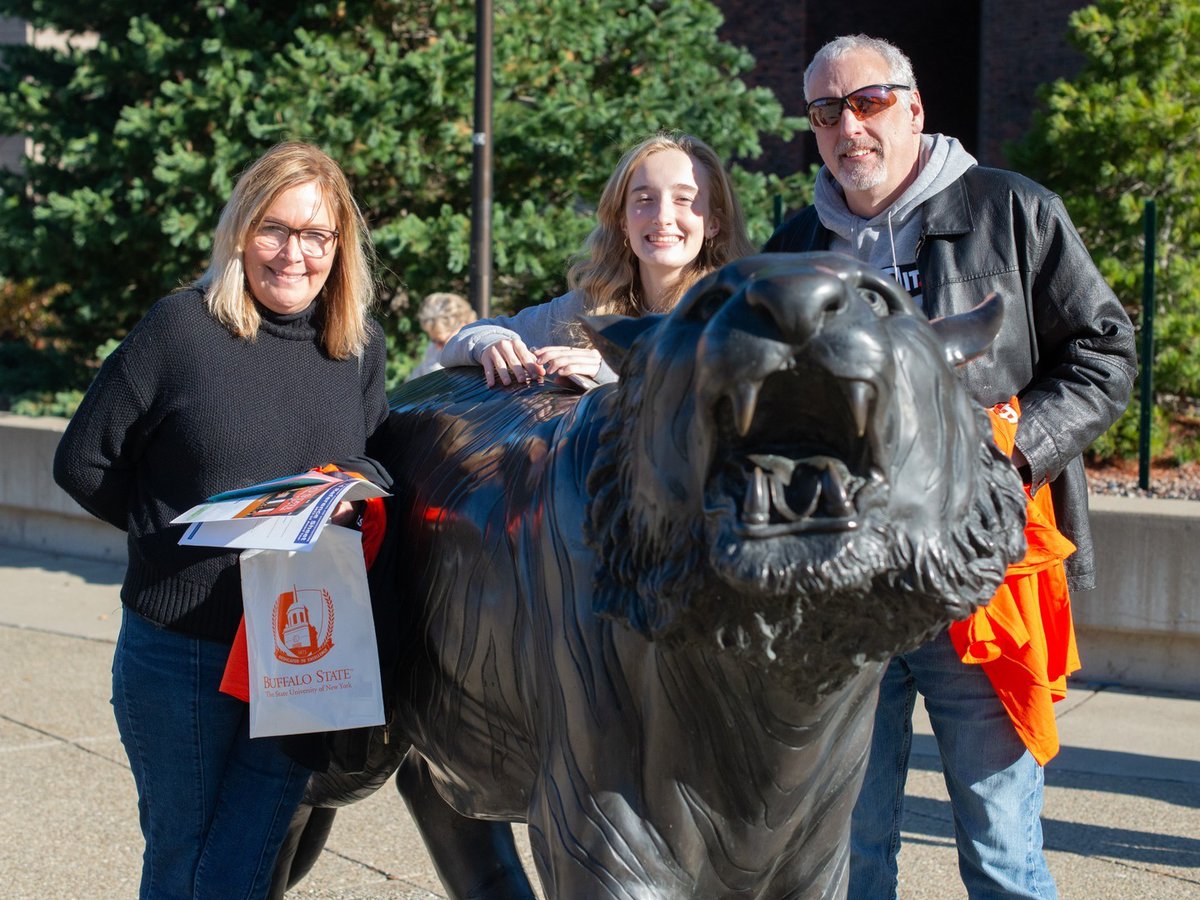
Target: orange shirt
point(1024, 638)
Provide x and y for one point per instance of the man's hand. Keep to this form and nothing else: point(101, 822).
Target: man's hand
point(1022, 464)
point(507, 360)
point(569, 360)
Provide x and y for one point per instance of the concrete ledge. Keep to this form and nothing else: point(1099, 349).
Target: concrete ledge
point(1138, 660)
point(34, 511)
point(1149, 567)
point(88, 537)
point(1140, 628)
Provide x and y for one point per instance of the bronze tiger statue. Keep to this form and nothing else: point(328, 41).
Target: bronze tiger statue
point(649, 619)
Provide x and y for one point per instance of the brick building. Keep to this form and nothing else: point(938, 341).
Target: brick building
point(978, 62)
point(12, 31)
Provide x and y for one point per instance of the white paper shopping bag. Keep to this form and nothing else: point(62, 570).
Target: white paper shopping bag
point(310, 638)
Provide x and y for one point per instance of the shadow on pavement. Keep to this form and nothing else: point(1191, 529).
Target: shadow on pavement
point(930, 819)
point(92, 571)
point(1174, 781)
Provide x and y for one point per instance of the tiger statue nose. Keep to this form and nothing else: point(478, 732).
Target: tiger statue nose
point(801, 305)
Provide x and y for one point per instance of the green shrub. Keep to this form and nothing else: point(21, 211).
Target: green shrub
point(1120, 132)
point(142, 132)
point(1121, 441)
point(45, 403)
point(30, 376)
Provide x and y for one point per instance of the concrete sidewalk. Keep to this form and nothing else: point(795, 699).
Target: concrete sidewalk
point(1122, 816)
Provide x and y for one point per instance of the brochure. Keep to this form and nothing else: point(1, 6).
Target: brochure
point(281, 514)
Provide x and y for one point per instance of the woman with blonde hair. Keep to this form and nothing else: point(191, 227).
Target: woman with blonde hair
point(667, 217)
point(268, 365)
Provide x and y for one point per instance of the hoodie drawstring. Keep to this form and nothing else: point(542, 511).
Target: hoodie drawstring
point(892, 240)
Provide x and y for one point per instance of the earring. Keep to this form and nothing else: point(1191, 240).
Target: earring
point(626, 242)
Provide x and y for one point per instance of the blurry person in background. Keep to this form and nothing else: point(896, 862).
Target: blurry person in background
point(440, 316)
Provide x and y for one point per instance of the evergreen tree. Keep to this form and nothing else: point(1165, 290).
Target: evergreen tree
point(143, 121)
point(1126, 130)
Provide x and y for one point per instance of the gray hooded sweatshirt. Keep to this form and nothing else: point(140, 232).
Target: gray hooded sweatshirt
point(889, 240)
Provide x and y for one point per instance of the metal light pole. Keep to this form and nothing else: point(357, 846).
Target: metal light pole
point(1146, 422)
point(481, 170)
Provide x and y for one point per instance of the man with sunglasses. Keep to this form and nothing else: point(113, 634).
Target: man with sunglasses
point(950, 231)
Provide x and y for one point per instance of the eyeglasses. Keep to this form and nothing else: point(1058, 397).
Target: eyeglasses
point(826, 112)
point(314, 242)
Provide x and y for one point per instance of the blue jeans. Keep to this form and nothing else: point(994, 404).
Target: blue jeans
point(995, 784)
point(214, 805)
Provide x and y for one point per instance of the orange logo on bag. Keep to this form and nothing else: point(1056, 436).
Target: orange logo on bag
point(303, 624)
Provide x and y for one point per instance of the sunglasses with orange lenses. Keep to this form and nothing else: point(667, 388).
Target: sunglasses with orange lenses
point(826, 112)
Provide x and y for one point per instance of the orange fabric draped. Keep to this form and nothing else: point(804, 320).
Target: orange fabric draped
point(1024, 638)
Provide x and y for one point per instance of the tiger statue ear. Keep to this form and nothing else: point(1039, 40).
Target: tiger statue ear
point(614, 335)
point(969, 334)
point(964, 336)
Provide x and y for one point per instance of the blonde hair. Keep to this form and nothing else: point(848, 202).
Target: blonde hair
point(348, 293)
point(445, 312)
point(607, 271)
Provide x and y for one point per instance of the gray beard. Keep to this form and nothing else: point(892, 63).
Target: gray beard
point(862, 178)
point(859, 177)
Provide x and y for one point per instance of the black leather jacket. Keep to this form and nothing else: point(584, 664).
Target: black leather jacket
point(1066, 347)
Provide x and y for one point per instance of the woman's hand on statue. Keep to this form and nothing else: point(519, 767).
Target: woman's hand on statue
point(569, 360)
point(509, 359)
